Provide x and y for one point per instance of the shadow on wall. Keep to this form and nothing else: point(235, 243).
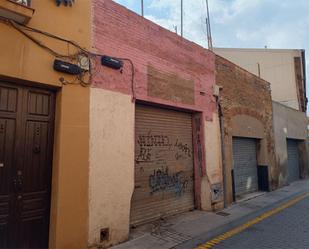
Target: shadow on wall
point(280, 174)
point(304, 159)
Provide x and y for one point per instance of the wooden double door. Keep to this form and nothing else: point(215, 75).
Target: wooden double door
point(26, 141)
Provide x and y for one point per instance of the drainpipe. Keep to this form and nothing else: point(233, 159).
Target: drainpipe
point(259, 69)
point(304, 77)
point(221, 120)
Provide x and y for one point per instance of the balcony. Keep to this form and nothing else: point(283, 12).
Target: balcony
point(17, 10)
point(22, 2)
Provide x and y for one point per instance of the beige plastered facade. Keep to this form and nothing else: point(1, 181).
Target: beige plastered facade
point(111, 179)
point(289, 124)
point(214, 174)
point(273, 65)
point(23, 61)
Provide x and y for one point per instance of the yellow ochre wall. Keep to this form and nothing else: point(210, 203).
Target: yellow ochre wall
point(21, 59)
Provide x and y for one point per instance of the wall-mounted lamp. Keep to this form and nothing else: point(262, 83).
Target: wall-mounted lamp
point(111, 62)
point(65, 2)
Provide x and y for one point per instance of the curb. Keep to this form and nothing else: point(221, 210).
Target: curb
point(204, 237)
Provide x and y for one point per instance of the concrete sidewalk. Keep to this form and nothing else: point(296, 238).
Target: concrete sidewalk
point(193, 228)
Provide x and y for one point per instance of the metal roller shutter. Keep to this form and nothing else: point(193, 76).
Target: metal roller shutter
point(164, 182)
point(245, 166)
point(293, 160)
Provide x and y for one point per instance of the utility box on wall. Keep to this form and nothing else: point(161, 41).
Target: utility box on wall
point(216, 192)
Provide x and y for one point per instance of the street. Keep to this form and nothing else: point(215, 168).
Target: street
point(286, 229)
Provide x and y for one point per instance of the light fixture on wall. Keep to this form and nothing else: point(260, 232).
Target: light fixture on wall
point(65, 2)
point(66, 67)
point(111, 62)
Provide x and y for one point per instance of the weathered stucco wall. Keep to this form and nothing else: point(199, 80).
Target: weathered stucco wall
point(214, 166)
point(112, 163)
point(21, 59)
point(246, 108)
point(170, 72)
point(292, 124)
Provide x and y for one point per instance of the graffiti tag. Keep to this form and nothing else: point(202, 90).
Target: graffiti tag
point(183, 148)
point(161, 181)
point(153, 140)
point(144, 155)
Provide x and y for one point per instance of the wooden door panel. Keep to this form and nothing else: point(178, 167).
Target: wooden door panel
point(31, 235)
point(4, 221)
point(26, 127)
point(8, 99)
point(39, 103)
point(33, 202)
point(33, 220)
point(36, 167)
point(7, 137)
point(3, 235)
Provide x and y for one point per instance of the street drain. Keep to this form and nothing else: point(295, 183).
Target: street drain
point(223, 213)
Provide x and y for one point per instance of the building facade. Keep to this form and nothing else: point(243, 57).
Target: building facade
point(84, 163)
point(151, 136)
point(290, 142)
point(247, 131)
point(142, 130)
point(285, 70)
point(44, 129)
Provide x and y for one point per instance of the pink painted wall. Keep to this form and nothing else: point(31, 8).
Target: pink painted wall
point(120, 32)
point(162, 61)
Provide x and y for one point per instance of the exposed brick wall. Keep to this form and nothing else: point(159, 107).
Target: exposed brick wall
point(169, 70)
point(245, 94)
point(119, 32)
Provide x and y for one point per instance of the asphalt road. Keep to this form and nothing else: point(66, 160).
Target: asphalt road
point(288, 229)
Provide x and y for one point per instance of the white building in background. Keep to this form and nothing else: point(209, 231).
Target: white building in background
point(283, 68)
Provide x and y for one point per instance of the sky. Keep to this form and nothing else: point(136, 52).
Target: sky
point(235, 23)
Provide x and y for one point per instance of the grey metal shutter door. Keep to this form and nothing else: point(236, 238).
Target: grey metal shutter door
point(293, 160)
point(245, 166)
point(164, 182)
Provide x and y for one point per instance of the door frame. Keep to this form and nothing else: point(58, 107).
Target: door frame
point(198, 140)
point(233, 181)
point(298, 144)
point(54, 90)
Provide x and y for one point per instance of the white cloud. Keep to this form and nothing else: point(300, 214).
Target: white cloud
point(236, 23)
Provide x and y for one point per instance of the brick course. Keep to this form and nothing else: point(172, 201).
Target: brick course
point(119, 32)
point(245, 94)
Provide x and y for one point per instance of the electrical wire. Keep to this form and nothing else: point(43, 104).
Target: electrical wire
point(53, 52)
point(132, 77)
point(132, 73)
point(31, 29)
point(72, 57)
